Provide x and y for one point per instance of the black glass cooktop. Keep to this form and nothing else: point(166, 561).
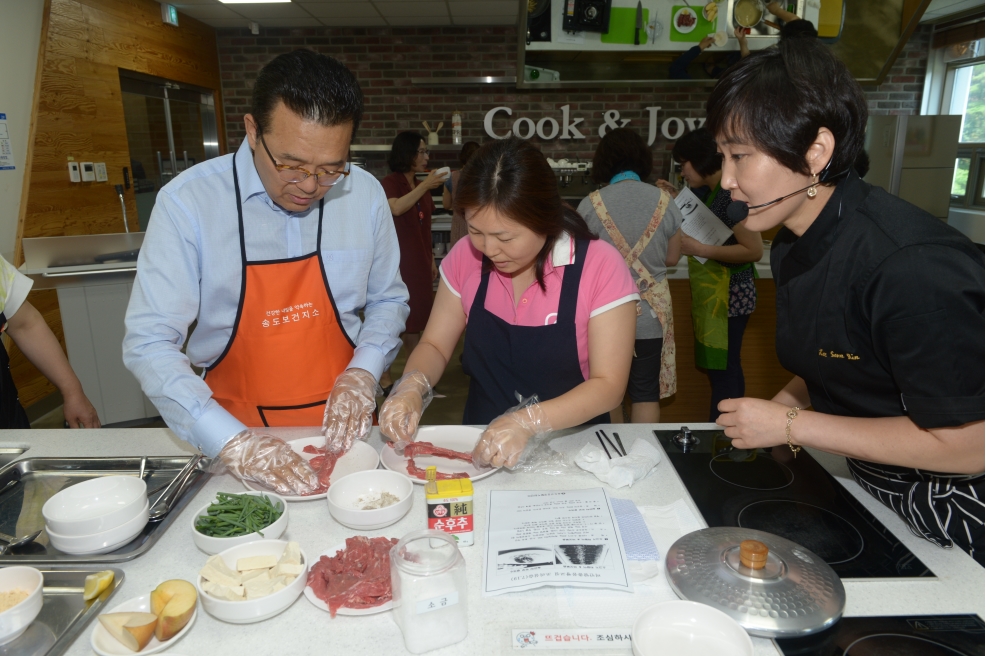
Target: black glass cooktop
point(771, 490)
point(926, 635)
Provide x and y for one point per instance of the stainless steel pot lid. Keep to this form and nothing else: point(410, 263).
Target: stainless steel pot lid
point(796, 593)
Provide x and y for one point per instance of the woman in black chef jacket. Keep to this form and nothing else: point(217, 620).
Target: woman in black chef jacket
point(879, 304)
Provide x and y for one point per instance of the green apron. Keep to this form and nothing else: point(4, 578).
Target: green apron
point(710, 306)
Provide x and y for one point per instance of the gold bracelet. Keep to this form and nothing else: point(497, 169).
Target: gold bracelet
point(791, 414)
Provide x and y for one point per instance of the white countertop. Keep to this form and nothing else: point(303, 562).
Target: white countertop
point(303, 629)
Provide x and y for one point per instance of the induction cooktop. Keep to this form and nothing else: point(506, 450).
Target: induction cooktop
point(771, 490)
point(923, 635)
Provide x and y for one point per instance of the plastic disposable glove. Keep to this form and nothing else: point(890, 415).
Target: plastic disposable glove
point(255, 456)
point(402, 410)
point(349, 410)
point(504, 442)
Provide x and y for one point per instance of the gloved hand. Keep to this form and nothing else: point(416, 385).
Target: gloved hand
point(504, 442)
point(349, 410)
point(255, 456)
point(402, 410)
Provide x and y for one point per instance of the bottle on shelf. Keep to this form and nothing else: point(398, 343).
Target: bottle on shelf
point(456, 128)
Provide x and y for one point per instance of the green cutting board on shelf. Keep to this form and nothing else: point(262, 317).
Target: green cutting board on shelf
point(702, 29)
point(622, 22)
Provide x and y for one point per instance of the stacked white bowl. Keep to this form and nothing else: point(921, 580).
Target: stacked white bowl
point(97, 516)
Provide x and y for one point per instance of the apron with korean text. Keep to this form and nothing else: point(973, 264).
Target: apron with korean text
point(287, 345)
point(504, 360)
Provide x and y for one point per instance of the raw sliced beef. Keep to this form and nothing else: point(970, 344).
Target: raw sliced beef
point(415, 449)
point(323, 463)
point(357, 577)
point(417, 472)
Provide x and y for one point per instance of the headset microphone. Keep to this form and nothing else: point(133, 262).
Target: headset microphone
point(738, 210)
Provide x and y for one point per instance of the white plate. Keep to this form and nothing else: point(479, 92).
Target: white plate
point(106, 645)
point(456, 438)
point(318, 603)
point(360, 458)
point(674, 20)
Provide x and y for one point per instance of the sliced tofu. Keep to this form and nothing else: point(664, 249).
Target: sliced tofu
point(280, 583)
point(258, 588)
point(217, 571)
point(255, 562)
point(288, 570)
point(256, 573)
point(291, 555)
point(229, 593)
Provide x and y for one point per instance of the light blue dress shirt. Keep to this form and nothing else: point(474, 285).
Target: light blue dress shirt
point(189, 269)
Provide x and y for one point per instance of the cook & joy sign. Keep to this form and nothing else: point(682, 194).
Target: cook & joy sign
point(548, 127)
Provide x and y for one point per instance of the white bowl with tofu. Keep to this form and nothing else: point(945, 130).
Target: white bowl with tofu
point(370, 500)
point(214, 545)
point(14, 582)
point(253, 582)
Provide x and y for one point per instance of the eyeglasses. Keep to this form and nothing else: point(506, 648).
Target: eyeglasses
point(296, 174)
point(424, 151)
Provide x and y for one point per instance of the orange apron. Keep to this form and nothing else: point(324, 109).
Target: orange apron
point(287, 346)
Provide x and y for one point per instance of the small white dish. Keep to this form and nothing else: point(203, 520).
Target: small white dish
point(94, 506)
point(350, 492)
point(213, 545)
point(106, 645)
point(720, 38)
point(456, 438)
point(689, 28)
point(688, 628)
point(15, 620)
point(444, 171)
point(249, 611)
point(100, 543)
point(318, 603)
point(361, 457)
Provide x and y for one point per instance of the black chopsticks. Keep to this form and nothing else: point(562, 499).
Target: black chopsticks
point(600, 434)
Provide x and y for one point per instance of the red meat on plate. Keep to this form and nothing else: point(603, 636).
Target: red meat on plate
point(357, 577)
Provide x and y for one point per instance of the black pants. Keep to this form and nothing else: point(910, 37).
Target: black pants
point(729, 383)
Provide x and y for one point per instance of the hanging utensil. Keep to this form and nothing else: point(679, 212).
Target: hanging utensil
point(789, 591)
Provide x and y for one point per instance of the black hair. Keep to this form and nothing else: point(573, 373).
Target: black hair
point(862, 163)
point(797, 29)
point(698, 147)
point(778, 98)
point(469, 149)
point(403, 151)
point(622, 149)
point(316, 87)
point(512, 176)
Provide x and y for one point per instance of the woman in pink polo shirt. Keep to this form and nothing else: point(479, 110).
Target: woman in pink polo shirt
point(551, 312)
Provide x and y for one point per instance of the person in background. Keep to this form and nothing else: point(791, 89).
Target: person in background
point(287, 260)
point(724, 294)
point(412, 206)
point(678, 69)
point(459, 229)
point(550, 311)
point(879, 304)
point(645, 226)
point(25, 325)
point(793, 27)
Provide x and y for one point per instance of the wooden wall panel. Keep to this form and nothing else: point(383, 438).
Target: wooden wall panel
point(79, 112)
point(764, 374)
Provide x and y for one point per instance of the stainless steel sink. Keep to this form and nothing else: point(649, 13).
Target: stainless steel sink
point(10, 453)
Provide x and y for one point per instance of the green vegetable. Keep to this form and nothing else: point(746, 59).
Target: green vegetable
point(233, 515)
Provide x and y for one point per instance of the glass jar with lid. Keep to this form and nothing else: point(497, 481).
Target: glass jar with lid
point(428, 575)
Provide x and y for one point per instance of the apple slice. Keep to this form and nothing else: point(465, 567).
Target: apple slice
point(132, 630)
point(174, 603)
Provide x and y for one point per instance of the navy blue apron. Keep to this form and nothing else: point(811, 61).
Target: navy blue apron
point(502, 359)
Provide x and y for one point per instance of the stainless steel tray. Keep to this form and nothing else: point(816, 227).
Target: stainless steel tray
point(64, 615)
point(38, 479)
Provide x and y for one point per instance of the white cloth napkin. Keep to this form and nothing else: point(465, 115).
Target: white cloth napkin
point(623, 471)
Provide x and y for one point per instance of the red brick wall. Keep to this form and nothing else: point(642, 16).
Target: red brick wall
point(385, 59)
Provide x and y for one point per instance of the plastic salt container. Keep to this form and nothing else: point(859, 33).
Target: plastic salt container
point(428, 575)
point(449, 506)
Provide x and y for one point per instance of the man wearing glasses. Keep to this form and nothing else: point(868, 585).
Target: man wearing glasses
point(273, 252)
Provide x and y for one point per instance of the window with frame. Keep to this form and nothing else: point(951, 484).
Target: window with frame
point(963, 95)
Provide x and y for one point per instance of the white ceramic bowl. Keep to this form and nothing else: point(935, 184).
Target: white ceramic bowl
point(14, 621)
point(104, 542)
point(96, 505)
point(688, 628)
point(211, 545)
point(254, 610)
point(350, 492)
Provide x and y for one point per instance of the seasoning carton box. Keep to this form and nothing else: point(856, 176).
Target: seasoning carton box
point(450, 508)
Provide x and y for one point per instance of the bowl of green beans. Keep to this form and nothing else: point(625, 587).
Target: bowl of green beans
point(233, 519)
